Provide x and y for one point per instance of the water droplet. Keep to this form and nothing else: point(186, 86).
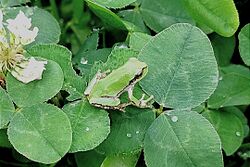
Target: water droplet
point(87, 129)
point(174, 118)
point(238, 134)
point(220, 78)
point(84, 61)
point(137, 132)
point(129, 135)
point(122, 46)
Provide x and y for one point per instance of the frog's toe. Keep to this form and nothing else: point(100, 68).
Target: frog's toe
point(144, 102)
point(142, 97)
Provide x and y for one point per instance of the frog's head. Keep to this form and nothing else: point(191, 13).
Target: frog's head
point(141, 68)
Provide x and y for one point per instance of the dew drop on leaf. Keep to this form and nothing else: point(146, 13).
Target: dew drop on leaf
point(87, 129)
point(174, 118)
point(220, 78)
point(84, 61)
point(129, 135)
point(238, 134)
point(137, 132)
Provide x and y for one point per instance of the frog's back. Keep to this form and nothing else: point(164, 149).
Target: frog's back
point(118, 80)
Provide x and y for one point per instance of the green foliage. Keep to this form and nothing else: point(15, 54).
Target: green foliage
point(90, 125)
point(182, 138)
point(123, 160)
point(114, 3)
point(74, 84)
point(4, 142)
point(182, 48)
point(37, 91)
point(198, 72)
point(49, 30)
point(7, 108)
point(229, 127)
point(223, 48)
point(244, 44)
point(89, 158)
point(138, 40)
point(41, 128)
point(233, 88)
point(134, 16)
point(127, 131)
point(109, 18)
point(164, 13)
point(220, 16)
point(8, 3)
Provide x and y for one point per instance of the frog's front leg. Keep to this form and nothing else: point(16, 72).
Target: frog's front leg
point(142, 103)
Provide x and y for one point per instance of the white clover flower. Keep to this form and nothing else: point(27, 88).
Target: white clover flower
point(29, 70)
point(21, 28)
point(12, 40)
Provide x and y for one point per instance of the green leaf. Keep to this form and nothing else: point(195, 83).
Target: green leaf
point(127, 131)
point(41, 133)
point(89, 159)
point(37, 91)
point(4, 141)
point(7, 108)
point(90, 125)
point(229, 127)
point(73, 83)
point(244, 44)
point(114, 3)
point(88, 59)
point(90, 44)
point(182, 69)
point(221, 16)
point(134, 16)
point(161, 13)
point(121, 160)
point(223, 48)
point(138, 40)
point(109, 18)
point(204, 28)
point(235, 69)
point(9, 3)
point(233, 89)
point(49, 29)
point(182, 138)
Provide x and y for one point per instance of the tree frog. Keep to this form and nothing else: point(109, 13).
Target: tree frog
point(104, 90)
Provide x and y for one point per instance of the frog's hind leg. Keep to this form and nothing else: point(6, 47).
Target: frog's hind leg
point(142, 102)
point(122, 106)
